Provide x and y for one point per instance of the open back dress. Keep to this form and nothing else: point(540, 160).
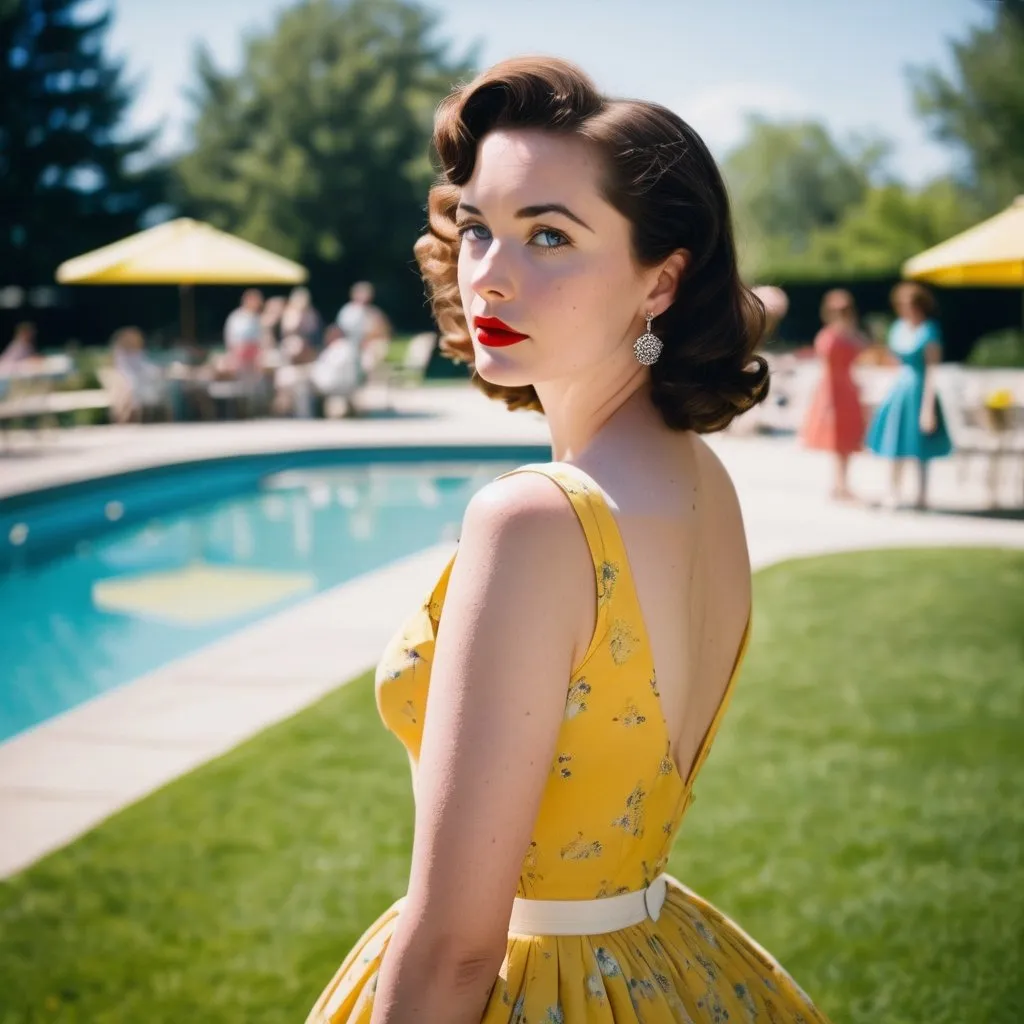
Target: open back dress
point(611, 808)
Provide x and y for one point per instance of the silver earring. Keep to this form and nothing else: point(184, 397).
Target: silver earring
point(648, 346)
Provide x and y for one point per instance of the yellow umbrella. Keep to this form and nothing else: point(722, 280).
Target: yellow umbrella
point(991, 254)
point(184, 252)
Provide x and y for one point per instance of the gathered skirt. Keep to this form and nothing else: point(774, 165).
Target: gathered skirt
point(895, 431)
point(691, 966)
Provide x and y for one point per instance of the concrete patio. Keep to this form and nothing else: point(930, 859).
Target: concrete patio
point(63, 777)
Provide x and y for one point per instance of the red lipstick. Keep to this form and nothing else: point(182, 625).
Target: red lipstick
point(494, 333)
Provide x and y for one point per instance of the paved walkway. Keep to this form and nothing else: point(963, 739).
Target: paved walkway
point(65, 776)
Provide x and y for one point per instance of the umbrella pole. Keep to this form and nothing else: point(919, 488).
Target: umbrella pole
point(188, 312)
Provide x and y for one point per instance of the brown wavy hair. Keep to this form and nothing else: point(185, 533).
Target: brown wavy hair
point(917, 295)
point(657, 173)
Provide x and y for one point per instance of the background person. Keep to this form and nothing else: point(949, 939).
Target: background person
point(141, 384)
point(244, 332)
point(908, 425)
point(834, 421)
point(338, 372)
point(366, 325)
point(299, 319)
point(21, 346)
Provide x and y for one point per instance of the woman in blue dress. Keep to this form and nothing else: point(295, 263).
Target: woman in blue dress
point(909, 423)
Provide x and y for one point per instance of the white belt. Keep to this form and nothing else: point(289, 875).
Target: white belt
point(588, 917)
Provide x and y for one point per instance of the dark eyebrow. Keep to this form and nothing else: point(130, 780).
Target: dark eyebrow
point(535, 211)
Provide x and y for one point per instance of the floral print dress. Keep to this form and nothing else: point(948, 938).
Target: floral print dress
point(610, 810)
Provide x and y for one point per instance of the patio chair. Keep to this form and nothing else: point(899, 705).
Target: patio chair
point(962, 394)
point(126, 406)
point(412, 367)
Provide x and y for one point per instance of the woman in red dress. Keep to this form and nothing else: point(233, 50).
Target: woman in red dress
point(835, 419)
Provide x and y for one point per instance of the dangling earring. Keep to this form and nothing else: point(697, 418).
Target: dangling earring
point(648, 346)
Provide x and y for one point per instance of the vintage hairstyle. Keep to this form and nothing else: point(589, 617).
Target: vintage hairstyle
point(661, 177)
point(916, 294)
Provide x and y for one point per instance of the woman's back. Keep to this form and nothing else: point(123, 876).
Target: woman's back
point(683, 536)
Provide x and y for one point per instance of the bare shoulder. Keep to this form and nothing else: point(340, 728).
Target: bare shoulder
point(523, 559)
point(527, 511)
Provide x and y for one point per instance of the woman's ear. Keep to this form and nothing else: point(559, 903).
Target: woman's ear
point(666, 284)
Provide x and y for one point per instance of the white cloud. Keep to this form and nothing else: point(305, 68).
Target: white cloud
point(719, 114)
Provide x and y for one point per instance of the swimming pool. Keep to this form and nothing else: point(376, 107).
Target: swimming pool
point(103, 581)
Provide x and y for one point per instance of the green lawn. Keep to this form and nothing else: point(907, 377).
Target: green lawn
point(861, 816)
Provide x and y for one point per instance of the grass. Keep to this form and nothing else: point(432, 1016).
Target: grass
point(860, 816)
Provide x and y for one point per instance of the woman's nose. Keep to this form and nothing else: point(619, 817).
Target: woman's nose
point(493, 275)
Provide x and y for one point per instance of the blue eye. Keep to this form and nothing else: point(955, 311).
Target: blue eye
point(555, 239)
point(467, 230)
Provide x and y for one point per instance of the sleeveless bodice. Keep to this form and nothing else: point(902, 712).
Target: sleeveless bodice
point(614, 797)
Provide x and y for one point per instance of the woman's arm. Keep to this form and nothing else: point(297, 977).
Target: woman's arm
point(932, 357)
point(521, 595)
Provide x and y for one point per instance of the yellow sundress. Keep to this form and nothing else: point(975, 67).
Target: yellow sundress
point(610, 810)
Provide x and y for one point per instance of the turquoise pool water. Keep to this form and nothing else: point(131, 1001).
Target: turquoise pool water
point(105, 581)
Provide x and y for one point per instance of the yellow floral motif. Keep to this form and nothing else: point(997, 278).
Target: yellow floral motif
point(666, 766)
point(632, 821)
point(654, 685)
point(605, 892)
point(580, 849)
point(562, 766)
point(630, 716)
point(576, 699)
point(607, 577)
point(409, 711)
point(623, 641)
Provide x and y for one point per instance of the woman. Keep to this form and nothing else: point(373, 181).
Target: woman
point(580, 255)
point(909, 424)
point(140, 382)
point(300, 320)
point(835, 420)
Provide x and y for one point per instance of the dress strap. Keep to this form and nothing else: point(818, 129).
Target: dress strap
point(602, 532)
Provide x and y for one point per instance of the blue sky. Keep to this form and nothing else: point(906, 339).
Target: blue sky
point(841, 61)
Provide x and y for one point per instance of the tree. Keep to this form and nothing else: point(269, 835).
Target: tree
point(789, 179)
point(887, 226)
point(65, 183)
point(319, 147)
point(980, 108)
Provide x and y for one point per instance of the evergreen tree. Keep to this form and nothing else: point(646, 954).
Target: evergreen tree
point(66, 183)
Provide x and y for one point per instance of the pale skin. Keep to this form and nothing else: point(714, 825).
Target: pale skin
point(908, 310)
point(520, 607)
